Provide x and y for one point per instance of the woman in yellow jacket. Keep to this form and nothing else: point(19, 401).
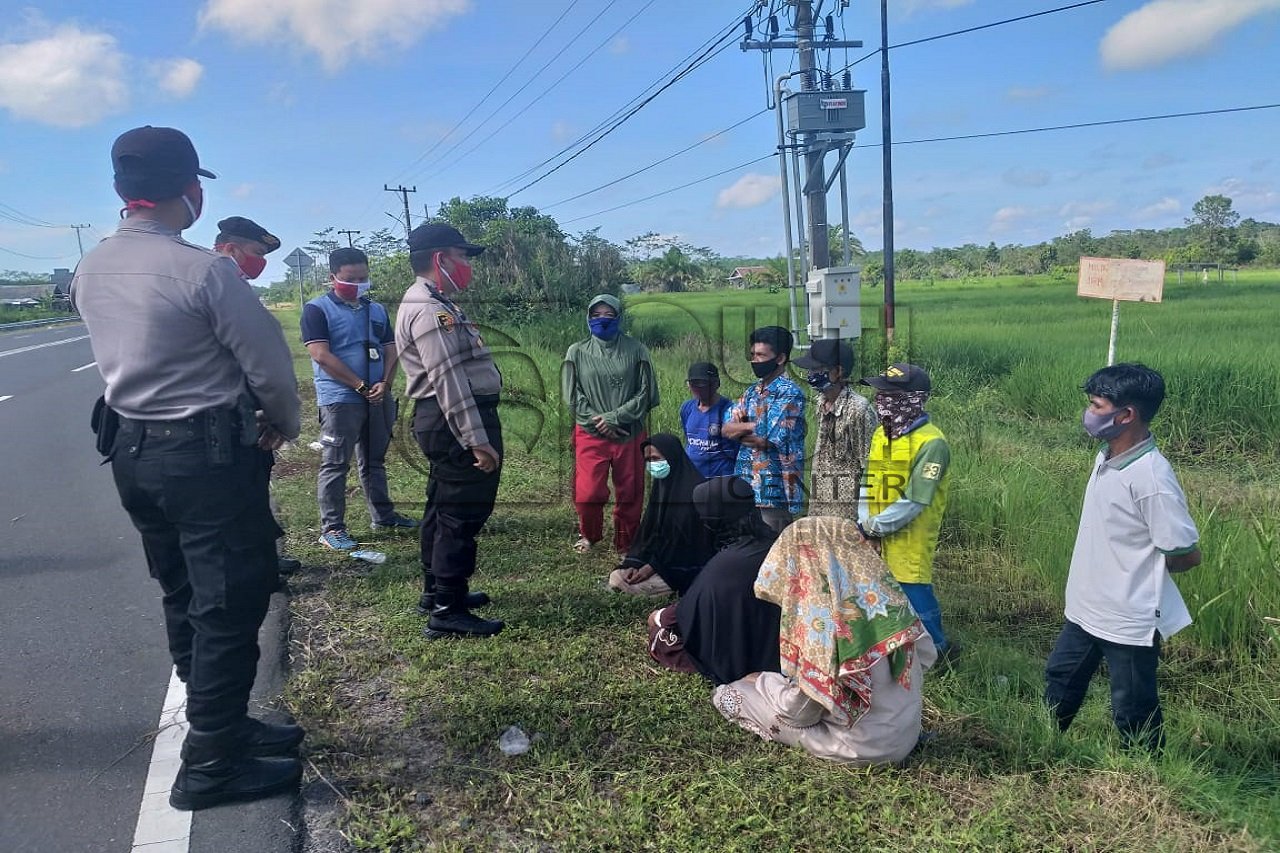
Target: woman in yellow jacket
point(904, 489)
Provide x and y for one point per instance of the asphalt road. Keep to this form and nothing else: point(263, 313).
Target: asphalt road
point(83, 662)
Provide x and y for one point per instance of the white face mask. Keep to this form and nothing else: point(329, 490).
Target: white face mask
point(191, 208)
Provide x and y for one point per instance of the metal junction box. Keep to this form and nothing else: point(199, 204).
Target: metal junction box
point(819, 111)
point(835, 297)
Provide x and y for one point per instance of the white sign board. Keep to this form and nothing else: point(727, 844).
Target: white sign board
point(1124, 279)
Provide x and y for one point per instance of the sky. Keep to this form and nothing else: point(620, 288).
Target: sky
point(306, 109)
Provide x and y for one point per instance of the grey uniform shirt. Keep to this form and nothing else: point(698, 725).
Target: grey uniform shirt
point(176, 330)
point(444, 357)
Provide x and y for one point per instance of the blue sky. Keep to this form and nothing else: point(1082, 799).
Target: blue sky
point(306, 108)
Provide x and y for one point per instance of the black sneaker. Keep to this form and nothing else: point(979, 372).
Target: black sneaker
point(427, 602)
point(232, 780)
point(396, 522)
point(459, 622)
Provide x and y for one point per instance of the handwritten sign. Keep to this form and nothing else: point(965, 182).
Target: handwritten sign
point(1121, 278)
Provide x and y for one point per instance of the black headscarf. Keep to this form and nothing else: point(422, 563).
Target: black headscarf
point(671, 533)
point(727, 506)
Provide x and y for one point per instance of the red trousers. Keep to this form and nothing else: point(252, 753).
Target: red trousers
point(593, 458)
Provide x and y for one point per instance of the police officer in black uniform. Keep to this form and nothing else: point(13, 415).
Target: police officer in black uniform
point(188, 353)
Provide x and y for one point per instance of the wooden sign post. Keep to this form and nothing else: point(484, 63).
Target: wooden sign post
point(1120, 279)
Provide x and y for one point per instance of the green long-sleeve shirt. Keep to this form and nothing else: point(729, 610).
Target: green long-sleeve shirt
point(613, 379)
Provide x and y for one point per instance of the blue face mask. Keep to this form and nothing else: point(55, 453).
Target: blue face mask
point(604, 328)
point(819, 380)
point(659, 470)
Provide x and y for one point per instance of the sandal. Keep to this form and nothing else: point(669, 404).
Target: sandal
point(583, 545)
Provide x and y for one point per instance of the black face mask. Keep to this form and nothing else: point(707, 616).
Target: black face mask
point(763, 368)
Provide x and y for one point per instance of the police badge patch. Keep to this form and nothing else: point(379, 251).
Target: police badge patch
point(446, 320)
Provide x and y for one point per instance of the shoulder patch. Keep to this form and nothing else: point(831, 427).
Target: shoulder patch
point(931, 470)
point(446, 320)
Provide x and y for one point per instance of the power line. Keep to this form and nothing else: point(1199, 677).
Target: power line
point(494, 87)
point(705, 57)
point(545, 91)
point(14, 215)
point(526, 85)
point(36, 257)
point(618, 112)
point(1020, 131)
point(643, 169)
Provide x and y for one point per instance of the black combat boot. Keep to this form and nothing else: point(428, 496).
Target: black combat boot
point(215, 770)
point(262, 740)
point(451, 618)
point(428, 600)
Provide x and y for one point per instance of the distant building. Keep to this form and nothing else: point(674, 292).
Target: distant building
point(746, 276)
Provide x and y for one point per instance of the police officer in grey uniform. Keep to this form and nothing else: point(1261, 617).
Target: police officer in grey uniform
point(454, 384)
point(188, 353)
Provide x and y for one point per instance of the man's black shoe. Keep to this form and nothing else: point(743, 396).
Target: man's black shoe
point(287, 565)
point(263, 740)
point(459, 622)
point(232, 780)
point(427, 602)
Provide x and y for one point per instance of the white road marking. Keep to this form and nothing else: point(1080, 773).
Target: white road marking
point(4, 397)
point(84, 367)
point(33, 347)
point(162, 828)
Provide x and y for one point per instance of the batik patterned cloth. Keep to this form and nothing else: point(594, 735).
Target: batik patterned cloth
point(842, 612)
point(776, 472)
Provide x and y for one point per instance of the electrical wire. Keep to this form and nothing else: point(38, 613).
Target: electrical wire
point(37, 257)
point(616, 113)
point(14, 215)
point(608, 39)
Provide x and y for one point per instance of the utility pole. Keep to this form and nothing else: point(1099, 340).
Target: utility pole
point(403, 192)
point(886, 153)
point(815, 182)
point(80, 242)
point(350, 243)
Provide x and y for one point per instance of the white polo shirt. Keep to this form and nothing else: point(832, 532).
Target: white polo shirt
point(1134, 514)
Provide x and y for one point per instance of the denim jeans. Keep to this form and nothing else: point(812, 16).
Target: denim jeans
point(925, 604)
point(1135, 705)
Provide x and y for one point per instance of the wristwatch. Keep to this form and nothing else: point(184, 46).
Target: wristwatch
point(363, 388)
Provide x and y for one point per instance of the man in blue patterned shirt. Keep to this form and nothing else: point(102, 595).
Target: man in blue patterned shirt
point(769, 422)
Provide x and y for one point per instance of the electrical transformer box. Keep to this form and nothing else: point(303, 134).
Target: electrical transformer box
point(820, 111)
point(835, 303)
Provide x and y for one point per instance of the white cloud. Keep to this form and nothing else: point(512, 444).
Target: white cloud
point(178, 77)
point(751, 190)
point(1027, 93)
point(69, 77)
point(1027, 177)
point(1161, 209)
point(1164, 30)
point(335, 30)
point(1081, 214)
point(1258, 199)
point(561, 130)
point(1161, 160)
point(242, 191)
point(620, 45)
point(1007, 218)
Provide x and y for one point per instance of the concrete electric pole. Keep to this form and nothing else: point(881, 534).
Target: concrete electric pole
point(403, 192)
point(350, 243)
point(80, 242)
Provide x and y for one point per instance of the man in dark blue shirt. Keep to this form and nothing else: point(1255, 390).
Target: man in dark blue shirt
point(353, 354)
point(701, 416)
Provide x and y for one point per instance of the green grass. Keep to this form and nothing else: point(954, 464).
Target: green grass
point(629, 757)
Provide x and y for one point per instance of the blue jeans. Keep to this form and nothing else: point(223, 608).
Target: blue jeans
point(925, 604)
point(1135, 705)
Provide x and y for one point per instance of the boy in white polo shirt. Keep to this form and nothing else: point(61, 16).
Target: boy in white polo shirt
point(1134, 531)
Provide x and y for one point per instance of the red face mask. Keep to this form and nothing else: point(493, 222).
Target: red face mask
point(251, 265)
point(460, 277)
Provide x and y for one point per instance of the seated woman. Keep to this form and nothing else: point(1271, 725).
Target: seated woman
point(719, 628)
point(853, 652)
point(672, 544)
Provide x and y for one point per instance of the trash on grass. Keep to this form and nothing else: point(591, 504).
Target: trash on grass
point(513, 741)
point(375, 557)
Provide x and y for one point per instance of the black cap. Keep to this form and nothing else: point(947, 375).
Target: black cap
point(900, 377)
point(703, 371)
point(433, 236)
point(155, 163)
point(247, 229)
point(826, 353)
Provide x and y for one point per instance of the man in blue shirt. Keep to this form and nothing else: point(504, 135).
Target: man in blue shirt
point(353, 354)
point(769, 422)
point(702, 416)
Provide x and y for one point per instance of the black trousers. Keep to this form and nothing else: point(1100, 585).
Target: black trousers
point(209, 539)
point(460, 496)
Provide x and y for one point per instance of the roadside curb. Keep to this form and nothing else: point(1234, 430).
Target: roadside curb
point(272, 825)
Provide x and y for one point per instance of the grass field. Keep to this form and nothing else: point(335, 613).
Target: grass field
point(627, 757)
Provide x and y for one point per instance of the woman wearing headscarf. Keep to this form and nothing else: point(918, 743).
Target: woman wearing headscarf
point(852, 651)
point(672, 544)
point(608, 384)
point(719, 627)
